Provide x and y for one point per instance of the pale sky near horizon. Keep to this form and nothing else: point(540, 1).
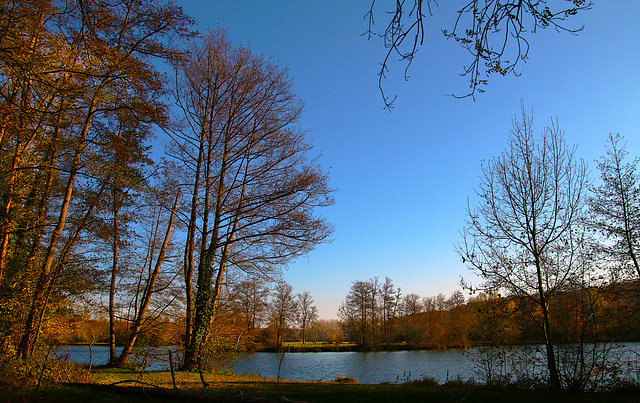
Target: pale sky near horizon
point(403, 177)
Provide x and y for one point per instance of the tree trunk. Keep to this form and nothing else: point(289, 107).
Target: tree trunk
point(554, 378)
point(189, 248)
point(148, 292)
point(112, 285)
point(30, 329)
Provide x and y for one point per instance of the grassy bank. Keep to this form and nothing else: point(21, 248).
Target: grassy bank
point(108, 386)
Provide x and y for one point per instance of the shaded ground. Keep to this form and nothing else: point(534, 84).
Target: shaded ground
point(157, 387)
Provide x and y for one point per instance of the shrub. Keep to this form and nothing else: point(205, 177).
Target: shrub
point(345, 379)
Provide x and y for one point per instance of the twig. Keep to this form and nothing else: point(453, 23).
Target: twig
point(173, 375)
point(93, 340)
point(204, 384)
point(280, 366)
point(44, 364)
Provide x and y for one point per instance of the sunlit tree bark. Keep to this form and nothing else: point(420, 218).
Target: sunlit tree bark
point(149, 288)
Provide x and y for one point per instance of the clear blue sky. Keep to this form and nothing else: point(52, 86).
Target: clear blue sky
point(403, 178)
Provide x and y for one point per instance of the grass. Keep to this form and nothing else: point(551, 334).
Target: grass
point(157, 387)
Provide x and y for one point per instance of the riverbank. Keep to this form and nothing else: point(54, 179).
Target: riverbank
point(108, 385)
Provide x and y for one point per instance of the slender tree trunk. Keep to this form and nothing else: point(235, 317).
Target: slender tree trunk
point(66, 250)
point(6, 214)
point(7, 224)
point(204, 303)
point(189, 249)
point(30, 328)
point(627, 225)
point(148, 291)
point(112, 283)
point(546, 328)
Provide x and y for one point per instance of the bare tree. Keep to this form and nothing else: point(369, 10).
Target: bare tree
point(494, 32)
point(355, 315)
point(307, 313)
point(520, 237)
point(391, 299)
point(149, 288)
point(251, 300)
point(284, 310)
point(359, 313)
point(615, 206)
point(253, 189)
point(411, 309)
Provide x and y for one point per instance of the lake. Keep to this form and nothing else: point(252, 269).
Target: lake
point(378, 367)
point(369, 367)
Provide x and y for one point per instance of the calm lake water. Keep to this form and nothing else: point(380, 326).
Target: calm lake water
point(372, 367)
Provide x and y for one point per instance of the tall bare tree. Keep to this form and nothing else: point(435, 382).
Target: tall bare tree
point(307, 313)
point(149, 288)
point(390, 304)
point(253, 189)
point(521, 236)
point(357, 313)
point(283, 311)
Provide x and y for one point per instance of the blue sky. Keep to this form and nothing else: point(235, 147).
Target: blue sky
point(403, 178)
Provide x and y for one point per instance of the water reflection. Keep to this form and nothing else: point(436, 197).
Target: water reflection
point(371, 367)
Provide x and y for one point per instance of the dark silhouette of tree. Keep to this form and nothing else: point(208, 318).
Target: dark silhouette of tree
point(494, 32)
point(521, 237)
point(615, 207)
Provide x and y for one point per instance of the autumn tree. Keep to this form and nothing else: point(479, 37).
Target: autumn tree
point(251, 300)
point(362, 310)
point(65, 70)
point(411, 309)
point(494, 32)
point(253, 190)
point(615, 207)
point(496, 319)
point(521, 235)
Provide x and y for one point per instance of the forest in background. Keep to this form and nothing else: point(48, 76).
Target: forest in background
point(605, 314)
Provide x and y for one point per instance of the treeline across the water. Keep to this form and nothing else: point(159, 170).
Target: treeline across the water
point(376, 316)
point(604, 314)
